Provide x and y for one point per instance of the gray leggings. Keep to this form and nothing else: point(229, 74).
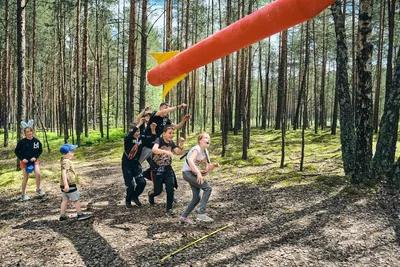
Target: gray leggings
point(189, 177)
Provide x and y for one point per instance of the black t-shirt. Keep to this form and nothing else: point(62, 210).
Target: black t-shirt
point(158, 160)
point(161, 122)
point(28, 148)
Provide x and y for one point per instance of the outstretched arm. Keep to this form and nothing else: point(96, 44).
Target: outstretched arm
point(166, 111)
point(180, 125)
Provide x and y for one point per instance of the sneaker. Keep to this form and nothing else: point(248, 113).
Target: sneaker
point(128, 205)
point(25, 197)
point(137, 201)
point(204, 218)
point(171, 213)
point(186, 220)
point(40, 193)
point(83, 216)
point(63, 217)
point(151, 199)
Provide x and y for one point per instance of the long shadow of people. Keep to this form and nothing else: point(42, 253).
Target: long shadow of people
point(93, 249)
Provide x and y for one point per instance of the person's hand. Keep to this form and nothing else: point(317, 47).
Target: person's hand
point(66, 188)
point(181, 141)
point(187, 117)
point(33, 159)
point(200, 178)
point(182, 106)
point(148, 107)
point(169, 154)
point(153, 125)
point(217, 165)
point(25, 161)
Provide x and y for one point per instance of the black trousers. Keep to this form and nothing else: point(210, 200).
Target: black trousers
point(166, 177)
point(134, 184)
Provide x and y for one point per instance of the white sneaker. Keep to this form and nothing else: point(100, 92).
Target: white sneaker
point(204, 217)
point(25, 197)
point(40, 193)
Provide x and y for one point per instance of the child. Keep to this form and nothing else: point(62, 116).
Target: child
point(67, 184)
point(194, 176)
point(131, 168)
point(161, 169)
point(28, 151)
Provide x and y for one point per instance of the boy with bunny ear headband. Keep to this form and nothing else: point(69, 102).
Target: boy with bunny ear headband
point(28, 150)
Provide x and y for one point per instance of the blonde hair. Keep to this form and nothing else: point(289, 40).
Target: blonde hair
point(201, 136)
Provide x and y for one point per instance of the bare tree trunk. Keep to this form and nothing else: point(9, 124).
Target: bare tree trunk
point(304, 86)
point(85, 66)
point(379, 66)
point(347, 135)
point(5, 76)
point(78, 111)
point(281, 81)
point(143, 58)
point(21, 86)
point(131, 65)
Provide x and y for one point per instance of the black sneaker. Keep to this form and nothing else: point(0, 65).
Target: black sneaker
point(137, 201)
point(63, 217)
point(171, 213)
point(151, 199)
point(128, 205)
point(83, 216)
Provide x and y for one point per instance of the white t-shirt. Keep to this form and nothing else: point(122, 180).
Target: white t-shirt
point(199, 158)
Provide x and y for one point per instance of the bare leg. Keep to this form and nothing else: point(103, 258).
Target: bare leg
point(24, 181)
point(78, 206)
point(37, 173)
point(64, 205)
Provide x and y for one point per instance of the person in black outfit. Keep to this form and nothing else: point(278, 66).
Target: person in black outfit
point(131, 168)
point(161, 171)
point(28, 151)
point(160, 117)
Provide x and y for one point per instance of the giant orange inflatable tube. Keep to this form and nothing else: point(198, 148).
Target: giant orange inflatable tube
point(273, 18)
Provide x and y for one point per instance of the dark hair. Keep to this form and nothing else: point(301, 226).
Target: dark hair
point(164, 104)
point(132, 125)
point(168, 126)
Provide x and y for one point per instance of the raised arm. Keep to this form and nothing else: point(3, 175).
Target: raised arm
point(183, 121)
point(166, 111)
point(142, 113)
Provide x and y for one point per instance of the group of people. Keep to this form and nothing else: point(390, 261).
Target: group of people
point(151, 139)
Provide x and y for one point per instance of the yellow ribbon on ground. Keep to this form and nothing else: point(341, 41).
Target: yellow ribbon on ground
point(194, 242)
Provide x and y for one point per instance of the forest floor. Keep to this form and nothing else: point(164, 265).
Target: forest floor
point(270, 225)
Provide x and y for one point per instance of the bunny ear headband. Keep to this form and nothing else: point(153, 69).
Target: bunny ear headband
point(26, 125)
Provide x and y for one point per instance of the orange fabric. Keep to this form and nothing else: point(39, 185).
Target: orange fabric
point(22, 165)
point(271, 19)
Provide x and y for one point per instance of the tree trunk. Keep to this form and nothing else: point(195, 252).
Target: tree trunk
point(281, 81)
point(347, 135)
point(143, 58)
point(387, 139)
point(364, 125)
point(21, 86)
point(78, 111)
point(5, 75)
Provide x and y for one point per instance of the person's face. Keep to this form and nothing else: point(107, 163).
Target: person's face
point(136, 134)
point(70, 154)
point(28, 133)
point(147, 118)
point(205, 140)
point(169, 134)
point(165, 106)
